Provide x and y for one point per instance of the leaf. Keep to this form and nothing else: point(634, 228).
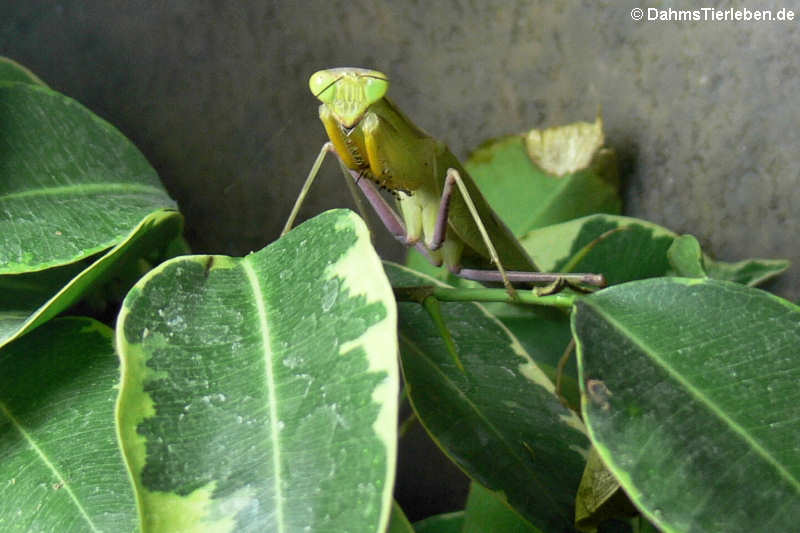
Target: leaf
point(441, 523)
point(10, 70)
point(686, 257)
point(59, 459)
point(398, 523)
point(527, 197)
point(23, 294)
point(71, 185)
point(498, 419)
point(750, 272)
point(31, 299)
point(567, 149)
point(690, 395)
point(600, 496)
point(486, 511)
point(544, 332)
point(260, 393)
point(418, 262)
point(643, 245)
point(604, 239)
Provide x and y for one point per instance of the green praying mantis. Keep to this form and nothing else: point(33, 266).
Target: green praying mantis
point(444, 214)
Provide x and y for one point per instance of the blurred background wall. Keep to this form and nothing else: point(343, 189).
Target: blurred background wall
point(704, 115)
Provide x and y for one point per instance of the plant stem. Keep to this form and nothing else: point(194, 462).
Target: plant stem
point(406, 424)
point(448, 294)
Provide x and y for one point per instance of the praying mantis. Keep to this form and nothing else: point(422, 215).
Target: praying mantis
point(444, 214)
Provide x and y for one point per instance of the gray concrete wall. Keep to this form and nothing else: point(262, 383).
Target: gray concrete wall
point(704, 114)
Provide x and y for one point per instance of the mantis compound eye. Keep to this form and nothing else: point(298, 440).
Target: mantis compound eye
point(375, 86)
point(321, 84)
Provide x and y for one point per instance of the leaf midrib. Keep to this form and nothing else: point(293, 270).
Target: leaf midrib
point(85, 189)
point(64, 483)
point(272, 399)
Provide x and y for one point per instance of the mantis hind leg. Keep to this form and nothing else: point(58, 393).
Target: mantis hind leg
point(499, 275)
point(439, 235)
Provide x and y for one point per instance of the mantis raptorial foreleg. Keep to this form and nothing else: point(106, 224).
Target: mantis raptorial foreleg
point(391, 220)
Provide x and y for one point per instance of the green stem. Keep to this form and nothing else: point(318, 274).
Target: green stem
point(583, 252)
point(406, 424)
point(431, 305)
point(448, 294)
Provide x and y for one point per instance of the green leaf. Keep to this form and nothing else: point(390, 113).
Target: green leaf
point(750, 272)
point(59, 461)
point(498, 419)
point(600, 496)
point(527, 197)
point(607, 238)
point(260, 393)
point(418, 262)
point(22, 295)
point(544, 332)
point(690, 395)
point(441, 523)
point(31, 299)
point(642, 525)
point(71, 185)
point(10, 70)
point(686, 257)
point(486, 511)
point(398, 523)
point(601, 240)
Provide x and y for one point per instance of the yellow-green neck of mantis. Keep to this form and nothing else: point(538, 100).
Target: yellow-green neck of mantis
point(348, 91)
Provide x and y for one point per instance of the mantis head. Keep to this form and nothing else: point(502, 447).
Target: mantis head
point(348, 92)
